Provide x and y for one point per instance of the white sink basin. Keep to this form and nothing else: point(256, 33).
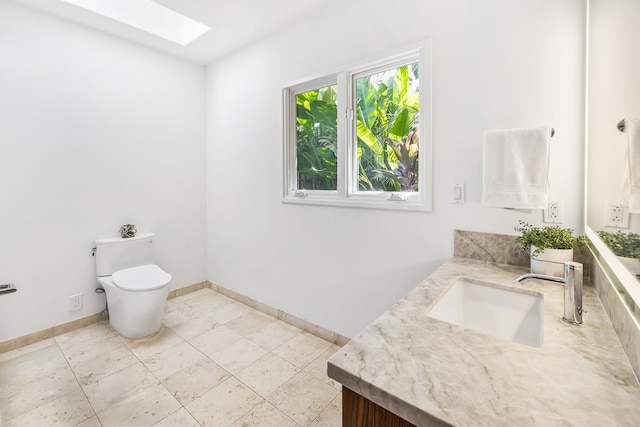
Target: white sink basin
point(503, 312)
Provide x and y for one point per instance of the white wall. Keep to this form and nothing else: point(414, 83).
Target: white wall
point(79, 110)
point(496, 64)
point(614, 67)
point(95, 132)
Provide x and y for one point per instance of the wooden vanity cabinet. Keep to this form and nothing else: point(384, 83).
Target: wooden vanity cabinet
point(358, 411)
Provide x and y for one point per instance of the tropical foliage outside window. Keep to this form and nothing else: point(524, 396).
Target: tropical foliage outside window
point(361, 137)
point(317, 139)
point(388, 105)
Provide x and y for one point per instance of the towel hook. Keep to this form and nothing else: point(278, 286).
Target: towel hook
point(622, 125)
point(553, 132)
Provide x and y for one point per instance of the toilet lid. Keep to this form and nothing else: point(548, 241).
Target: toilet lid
point(142, 278)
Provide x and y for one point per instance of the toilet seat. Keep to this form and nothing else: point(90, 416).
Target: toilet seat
point(141, 278)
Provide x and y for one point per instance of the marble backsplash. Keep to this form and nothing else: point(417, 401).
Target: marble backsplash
point(489, 247)
point(504, 249)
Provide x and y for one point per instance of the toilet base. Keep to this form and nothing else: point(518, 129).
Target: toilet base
point(134, 314)
point(136, 325)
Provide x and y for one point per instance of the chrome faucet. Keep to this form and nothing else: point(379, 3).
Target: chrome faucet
point(572, 281)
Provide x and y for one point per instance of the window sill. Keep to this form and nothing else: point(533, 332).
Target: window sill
point(360, 202)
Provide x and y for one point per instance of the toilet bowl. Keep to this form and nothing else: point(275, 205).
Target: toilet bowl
point(136, 288)
point(136, 298)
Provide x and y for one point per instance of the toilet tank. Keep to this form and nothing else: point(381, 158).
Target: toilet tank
point(117, 253)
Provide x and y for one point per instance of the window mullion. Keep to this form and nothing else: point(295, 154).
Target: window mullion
point(343, 135)
point(351, 168)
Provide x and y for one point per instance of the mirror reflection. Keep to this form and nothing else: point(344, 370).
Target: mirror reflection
point(613, 161)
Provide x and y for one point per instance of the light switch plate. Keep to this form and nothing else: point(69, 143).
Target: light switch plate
point(457, 193)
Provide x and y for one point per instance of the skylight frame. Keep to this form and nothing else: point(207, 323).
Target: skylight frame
point(148, 16)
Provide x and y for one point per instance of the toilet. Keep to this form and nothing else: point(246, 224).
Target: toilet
point(136, 288)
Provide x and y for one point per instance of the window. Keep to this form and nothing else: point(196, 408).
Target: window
point(317, 139)
point(361, 137)
point(387, 105)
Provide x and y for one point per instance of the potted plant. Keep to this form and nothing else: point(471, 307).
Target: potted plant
point(550, 247)
point(626, 246)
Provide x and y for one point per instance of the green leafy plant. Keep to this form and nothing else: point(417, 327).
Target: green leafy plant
point(387, 115)
point(316, 137)
point(622, 244)
point(387, 119)
point(549, 237)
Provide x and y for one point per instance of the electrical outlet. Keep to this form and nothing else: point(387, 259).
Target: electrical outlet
point(616, 216)
point(75, 302)
point(553, 213)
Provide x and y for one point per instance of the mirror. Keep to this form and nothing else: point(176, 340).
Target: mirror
point(613, 95)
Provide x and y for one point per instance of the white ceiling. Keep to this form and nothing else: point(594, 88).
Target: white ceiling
point(234, 23)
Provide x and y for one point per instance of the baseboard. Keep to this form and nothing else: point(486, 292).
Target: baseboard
point(299, 323)
point(44, 334)
point(313, 329)
point(188, 289)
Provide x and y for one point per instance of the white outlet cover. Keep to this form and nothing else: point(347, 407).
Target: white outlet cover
point(553, 213)
point(616, 216)
point(75, 302)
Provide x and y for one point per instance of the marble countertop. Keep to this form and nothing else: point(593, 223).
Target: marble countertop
point(431, 372)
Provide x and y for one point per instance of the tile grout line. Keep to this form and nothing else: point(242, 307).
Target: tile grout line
point(95, 414)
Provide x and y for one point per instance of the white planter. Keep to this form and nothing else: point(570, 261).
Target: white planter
point(631, 264)
point(551, 261)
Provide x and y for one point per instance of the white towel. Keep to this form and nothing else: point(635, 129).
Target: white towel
point(515, 168)
point(631, 188)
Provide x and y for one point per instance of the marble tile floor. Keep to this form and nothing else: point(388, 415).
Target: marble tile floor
point(215, 362)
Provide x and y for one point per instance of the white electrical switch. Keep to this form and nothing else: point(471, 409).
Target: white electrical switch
point(457, 193)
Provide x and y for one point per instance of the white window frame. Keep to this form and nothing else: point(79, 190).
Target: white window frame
point(347, 193)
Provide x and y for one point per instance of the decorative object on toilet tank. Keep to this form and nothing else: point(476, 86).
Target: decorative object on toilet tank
point(549, 246)
point(128, 230)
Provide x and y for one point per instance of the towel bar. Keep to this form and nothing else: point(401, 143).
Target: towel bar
point(622, 126)
point(7, 288)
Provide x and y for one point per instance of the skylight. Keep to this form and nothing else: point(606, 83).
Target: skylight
point(148, 16)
